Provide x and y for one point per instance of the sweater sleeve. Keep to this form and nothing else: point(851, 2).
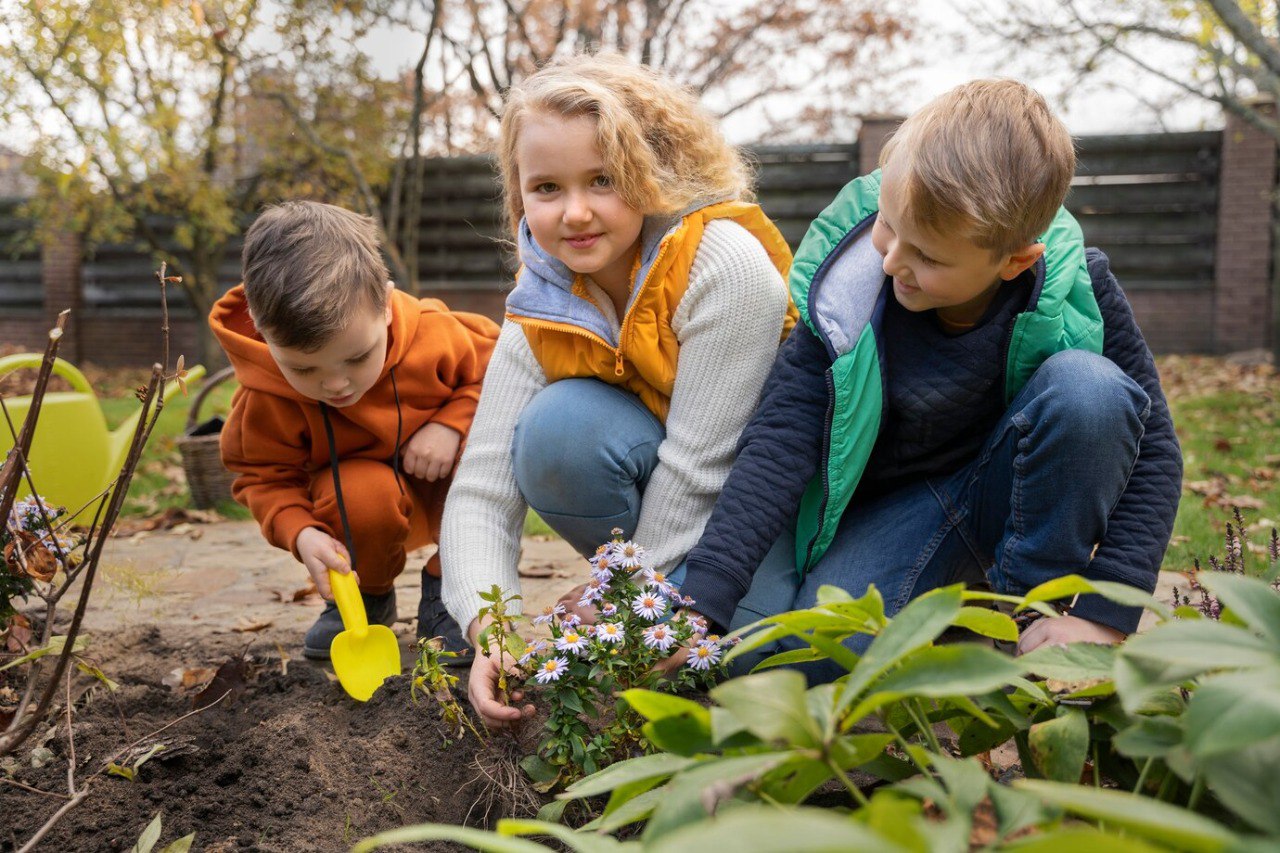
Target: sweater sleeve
point(484, 512)
point(464, 355)
point(265, 446)
point(1140, 526)
point(728, 324)
point(778, 455)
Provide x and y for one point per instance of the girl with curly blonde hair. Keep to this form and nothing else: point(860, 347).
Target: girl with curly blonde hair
point(648, 309)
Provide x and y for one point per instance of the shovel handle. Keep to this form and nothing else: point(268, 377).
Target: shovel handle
point(346, 593)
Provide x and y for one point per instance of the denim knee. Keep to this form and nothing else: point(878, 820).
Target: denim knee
point(1090, 394)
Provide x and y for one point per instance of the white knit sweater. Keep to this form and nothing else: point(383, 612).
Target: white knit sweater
point(728, 325)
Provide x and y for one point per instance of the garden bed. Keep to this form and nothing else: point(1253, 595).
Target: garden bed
point(291, 764)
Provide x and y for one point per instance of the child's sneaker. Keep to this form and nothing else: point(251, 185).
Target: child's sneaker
point(435, 621)
point(378, 609)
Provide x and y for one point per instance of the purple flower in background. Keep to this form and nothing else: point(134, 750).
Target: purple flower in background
point(650, 605)
point(551, 670)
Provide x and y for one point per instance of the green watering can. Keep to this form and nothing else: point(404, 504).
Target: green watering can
point(73, 455)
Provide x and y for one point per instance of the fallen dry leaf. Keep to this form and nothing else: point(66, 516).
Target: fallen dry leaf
point(544, 570)
point(187, 678)
point(299, 595)
point(27, 555)
point(230, 678)
point(17, 636)
point(246, 625)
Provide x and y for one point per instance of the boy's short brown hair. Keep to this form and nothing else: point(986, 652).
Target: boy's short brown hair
point(989, 157)
point(307, 268)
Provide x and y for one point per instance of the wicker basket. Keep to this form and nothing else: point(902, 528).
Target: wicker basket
point(207, 478)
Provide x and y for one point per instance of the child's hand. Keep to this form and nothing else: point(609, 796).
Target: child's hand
point(1051, 631)
point(588, 613)
point(482, 686)
point(320, 552)
point(430, 452)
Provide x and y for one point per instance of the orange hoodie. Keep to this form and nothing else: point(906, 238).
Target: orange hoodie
point(274, 438)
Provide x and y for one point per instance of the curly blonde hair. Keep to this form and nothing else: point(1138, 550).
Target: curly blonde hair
point(662, 150)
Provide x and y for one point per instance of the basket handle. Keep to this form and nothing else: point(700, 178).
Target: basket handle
point(212, 382)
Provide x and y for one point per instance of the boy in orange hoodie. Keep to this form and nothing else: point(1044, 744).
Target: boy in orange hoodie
point(334, 363)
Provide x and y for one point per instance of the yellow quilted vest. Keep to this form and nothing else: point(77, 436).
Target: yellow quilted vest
point(644, 361)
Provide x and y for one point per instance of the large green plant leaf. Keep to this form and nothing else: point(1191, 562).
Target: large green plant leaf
point(1246, 782)
point(917, 625)
point(1075, 839)
point(475, 839)
point(1231, 712)
point(1253, 601)
point(653, 705)
point(942, 671)
point(1149, 819)
point(987, 622)
point(1060, 746)
point(660, 765)
point(758, 829)
point(1072, 662)
point(772, 706)
point(709, 786)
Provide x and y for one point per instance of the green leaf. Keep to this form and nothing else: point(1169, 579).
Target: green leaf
point(687, 735)
point(1147, 818)
point(987, 622)
point(93, 671)
point(1060, 746)
point(1075, 839)
point(1016, 810)
point(581, 842)
point(653, 705)
point(182, 845)
point(552, 811)
point(149, 836)
point(772, 830)
point(635, 809)
point(708, 783)
point(1231, 712)
point(1149, 737)
point(114, 769)
point(56, 645)
point(1072, 662)
point(1173, 652)
point(941, 671)
point(1247, 784)
point(917, 625)
point(789, 657)
point(476, 839)
point(660, 765)
point(1067, 586)
point(771, 705)
point(1251, 599)
point(539, 769)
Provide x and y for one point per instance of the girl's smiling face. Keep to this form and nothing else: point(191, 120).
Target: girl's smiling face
point(570, 204)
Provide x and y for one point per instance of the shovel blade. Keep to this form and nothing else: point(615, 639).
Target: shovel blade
point(363, 663)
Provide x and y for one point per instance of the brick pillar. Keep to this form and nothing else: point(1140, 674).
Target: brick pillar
point(872, 135)
point(1242, 275)
point(60, 259)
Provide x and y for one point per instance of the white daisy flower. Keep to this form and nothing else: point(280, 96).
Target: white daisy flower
point(549, 614)
point(629, 555)
point(572, 641)
point(609, 632)
point(659, 637)
point(658, 580)
point(703, 655)
point(533, 651)
point(608, 609)
point(650, 605)
point(551, 670)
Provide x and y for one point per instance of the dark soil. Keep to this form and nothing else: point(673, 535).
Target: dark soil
point(293, 764)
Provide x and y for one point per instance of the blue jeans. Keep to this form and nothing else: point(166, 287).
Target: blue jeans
point(1029, 508)
point(582, 454)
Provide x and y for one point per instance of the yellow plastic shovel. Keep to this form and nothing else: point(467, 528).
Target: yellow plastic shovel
point(363, 655)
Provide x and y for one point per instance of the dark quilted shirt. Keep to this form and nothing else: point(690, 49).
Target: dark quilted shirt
point(944, 393)
point(780, 448)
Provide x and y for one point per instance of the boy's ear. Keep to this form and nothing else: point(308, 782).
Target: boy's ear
point(391, 286)
point(1021, 261)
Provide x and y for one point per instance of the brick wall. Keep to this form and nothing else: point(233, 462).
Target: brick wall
point(1242, 292)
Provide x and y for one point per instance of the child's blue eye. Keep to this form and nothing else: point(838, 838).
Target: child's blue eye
point(602, 181)
point(545, 188)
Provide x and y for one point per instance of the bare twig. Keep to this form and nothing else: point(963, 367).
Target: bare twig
point(57, 816)
point(15, 783)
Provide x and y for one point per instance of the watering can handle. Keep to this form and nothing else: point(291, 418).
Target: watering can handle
point(65, 369)
point(346, 594)
point(193, 414)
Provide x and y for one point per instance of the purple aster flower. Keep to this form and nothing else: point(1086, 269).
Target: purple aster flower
point(573, 620)
point(551, 670)
point(650, 605)
point(629, 555)
point(608, 609)
point(659, 637)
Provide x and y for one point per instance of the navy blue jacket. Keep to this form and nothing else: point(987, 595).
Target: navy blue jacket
point(780, 449)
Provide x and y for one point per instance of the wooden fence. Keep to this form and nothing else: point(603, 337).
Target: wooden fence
point(1151, 201)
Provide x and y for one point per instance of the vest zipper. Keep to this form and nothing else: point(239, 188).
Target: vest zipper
point(573, 330)
point(825, 459)
point(618, 369)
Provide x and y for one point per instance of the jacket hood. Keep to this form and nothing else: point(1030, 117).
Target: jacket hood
point(256, 369)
